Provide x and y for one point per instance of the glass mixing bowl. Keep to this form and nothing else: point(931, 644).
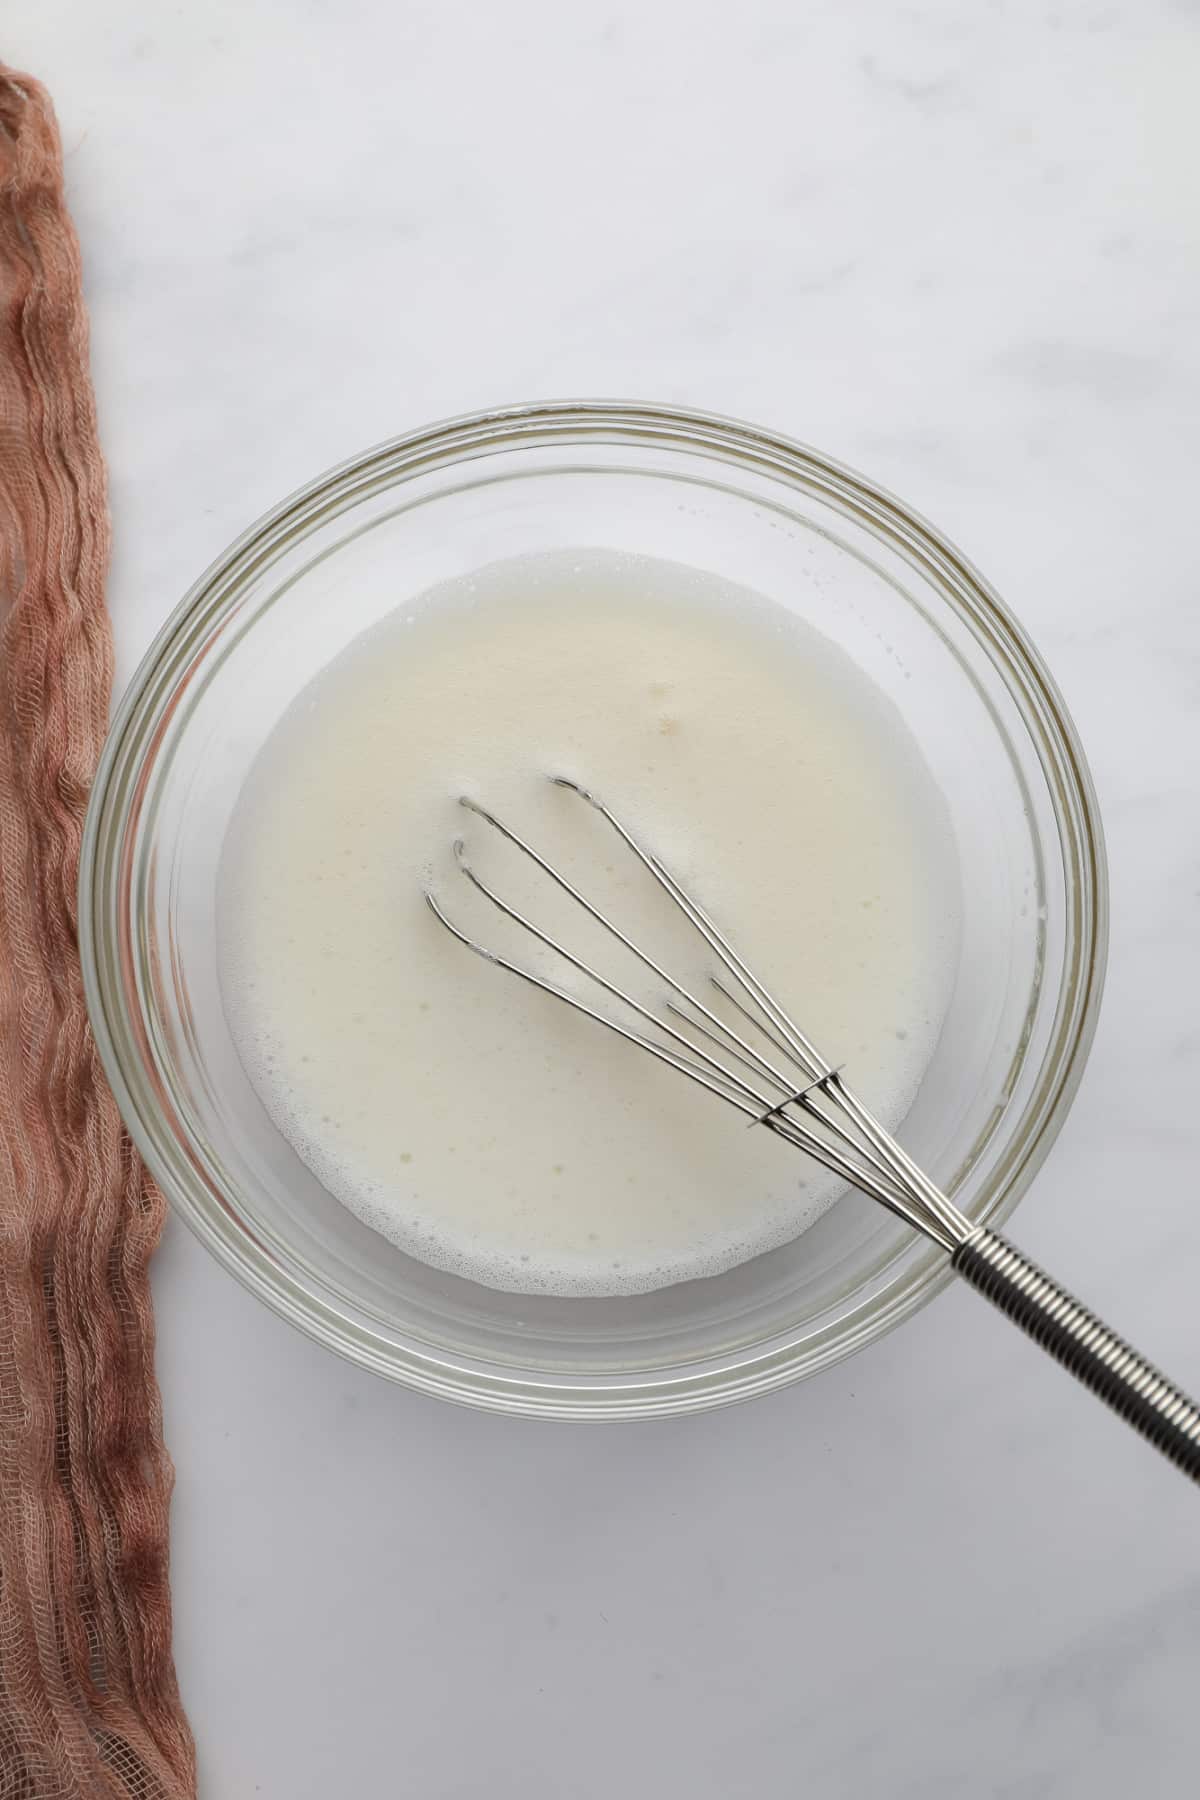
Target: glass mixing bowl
point(755, 509)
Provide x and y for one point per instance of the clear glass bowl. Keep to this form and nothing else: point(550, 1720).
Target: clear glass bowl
point(756, 509)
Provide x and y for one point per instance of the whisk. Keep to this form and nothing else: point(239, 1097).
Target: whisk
point(740, 1045)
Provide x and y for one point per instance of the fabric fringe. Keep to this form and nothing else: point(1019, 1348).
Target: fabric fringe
point(89, 1704)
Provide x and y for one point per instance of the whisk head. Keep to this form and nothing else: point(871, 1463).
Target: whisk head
point(736, 1042)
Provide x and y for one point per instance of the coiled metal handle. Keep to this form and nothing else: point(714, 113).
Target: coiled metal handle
point(1133, 1387)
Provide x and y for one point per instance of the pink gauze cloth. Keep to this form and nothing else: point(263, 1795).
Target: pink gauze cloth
point(89, 1705)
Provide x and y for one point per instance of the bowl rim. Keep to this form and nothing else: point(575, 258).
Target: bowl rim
point(105, 934)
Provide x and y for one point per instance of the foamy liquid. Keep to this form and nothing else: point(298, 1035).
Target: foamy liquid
point(483, 1126)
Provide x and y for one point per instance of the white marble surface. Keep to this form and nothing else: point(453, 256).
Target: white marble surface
point(958, 245)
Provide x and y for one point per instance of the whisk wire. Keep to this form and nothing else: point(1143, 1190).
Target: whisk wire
point(717, 1082)
point(779, 1077)
point(804, 1052)
point(848, 1140)
point(795, 1096)
point(594, 974)
point(795, 1043)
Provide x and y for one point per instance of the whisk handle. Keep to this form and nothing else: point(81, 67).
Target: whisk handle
point(1077, 1339)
